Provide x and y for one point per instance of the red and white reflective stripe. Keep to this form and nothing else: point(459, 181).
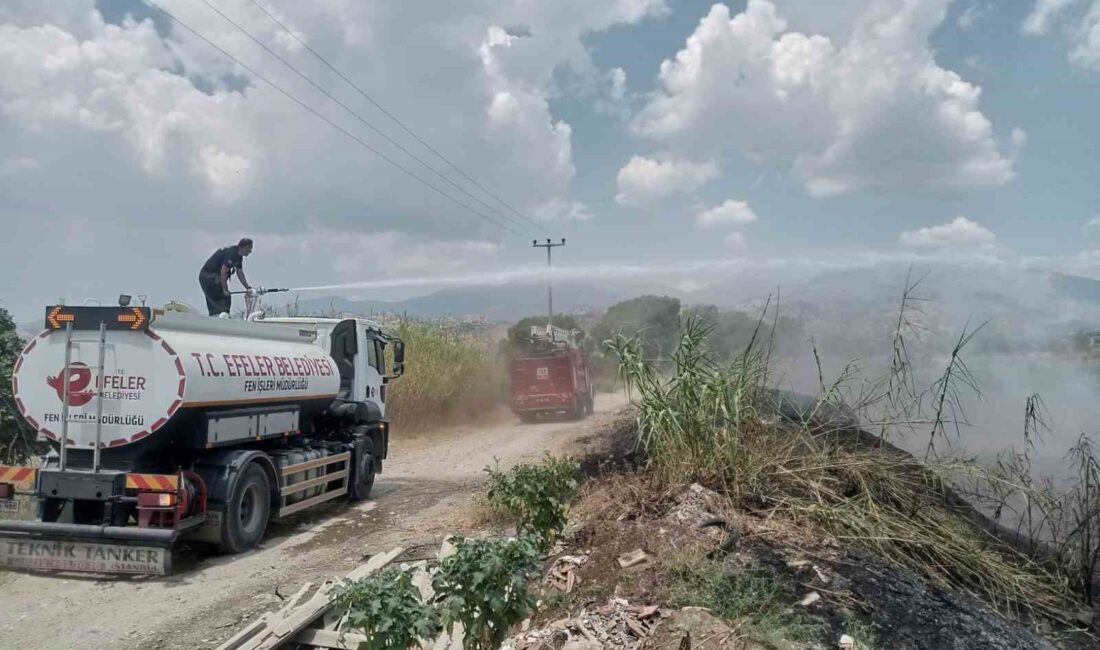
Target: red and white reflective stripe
point(15, 474)
point(152, 482)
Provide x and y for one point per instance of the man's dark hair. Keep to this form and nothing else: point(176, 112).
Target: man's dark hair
point(244, 242)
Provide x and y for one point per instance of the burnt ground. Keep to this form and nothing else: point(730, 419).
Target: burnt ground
point(619, 514)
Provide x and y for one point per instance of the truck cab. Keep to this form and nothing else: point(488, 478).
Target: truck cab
point(358, 347)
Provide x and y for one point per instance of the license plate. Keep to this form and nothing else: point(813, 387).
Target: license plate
point(83, 556)
point(9, 505)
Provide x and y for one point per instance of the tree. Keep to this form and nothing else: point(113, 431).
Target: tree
point(16, 439)
point(657, 316)
point(733, 330)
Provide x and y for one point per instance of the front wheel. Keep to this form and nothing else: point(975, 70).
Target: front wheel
point(247, 511)
point(528, 417)
point(361, 481)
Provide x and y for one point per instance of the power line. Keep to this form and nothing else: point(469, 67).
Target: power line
point(393, 117)
point(322, 117)
point(356, 115)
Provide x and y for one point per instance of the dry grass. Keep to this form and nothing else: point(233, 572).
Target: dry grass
point(718, 425)
point(448, 377)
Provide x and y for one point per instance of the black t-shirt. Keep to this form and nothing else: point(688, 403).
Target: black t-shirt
point(229, 256)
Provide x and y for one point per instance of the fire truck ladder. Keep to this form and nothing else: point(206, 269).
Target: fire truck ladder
point(97, 391)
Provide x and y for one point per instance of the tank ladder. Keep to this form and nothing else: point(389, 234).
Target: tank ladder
point(97, 391)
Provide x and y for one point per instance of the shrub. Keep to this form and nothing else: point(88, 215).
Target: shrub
point(536, 496)
point(386, 608)
point(483, 587)
point(17, 439)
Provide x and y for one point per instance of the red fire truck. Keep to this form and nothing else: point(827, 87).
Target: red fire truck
point(551, 375)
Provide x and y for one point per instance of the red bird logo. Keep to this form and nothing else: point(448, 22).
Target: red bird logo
point(80, 376)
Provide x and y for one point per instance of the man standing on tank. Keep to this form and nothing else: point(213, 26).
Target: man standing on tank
point(215, 274)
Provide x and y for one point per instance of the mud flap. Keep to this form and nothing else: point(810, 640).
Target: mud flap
point(27, 552)
point(211, 530)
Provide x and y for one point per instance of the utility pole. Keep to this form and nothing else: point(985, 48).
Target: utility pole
point(549, 290)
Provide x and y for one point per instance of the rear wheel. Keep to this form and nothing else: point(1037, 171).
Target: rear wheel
point(361, 480)
point(578, 410)
point(247, 511)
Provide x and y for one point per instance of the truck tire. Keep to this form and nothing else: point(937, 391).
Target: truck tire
point(247, 511)
point(528, 417)
point(361, 479)
point(577, 412)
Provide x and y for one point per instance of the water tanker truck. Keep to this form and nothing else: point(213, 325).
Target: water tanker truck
point(170, 426)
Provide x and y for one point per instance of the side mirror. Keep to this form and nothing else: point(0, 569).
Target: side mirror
point(398, 359)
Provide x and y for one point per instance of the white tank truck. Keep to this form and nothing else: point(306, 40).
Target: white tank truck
point(168, 426)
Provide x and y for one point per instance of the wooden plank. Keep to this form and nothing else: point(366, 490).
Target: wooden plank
point(272, 630)
point(330, 639)
point(242, 639)
point(374, 564)
point(299, 619)
point(302, 505)
point(313, 482)
point(294, 600)
point(317, 462)
point(285, 629)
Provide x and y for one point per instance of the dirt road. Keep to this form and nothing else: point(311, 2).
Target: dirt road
point(429, 483)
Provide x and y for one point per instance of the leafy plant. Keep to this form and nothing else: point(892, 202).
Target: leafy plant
point(536, 496)
point(386, 608)
point(483, 587)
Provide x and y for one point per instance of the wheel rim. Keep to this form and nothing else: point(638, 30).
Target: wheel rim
point(250, 507)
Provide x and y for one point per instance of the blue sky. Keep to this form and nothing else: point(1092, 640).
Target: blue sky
point(786, 131)
point(1026, 82)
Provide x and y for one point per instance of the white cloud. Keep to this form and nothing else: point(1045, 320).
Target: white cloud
point(613, 96)
point(1081, 22)
point(958, 232)
point(689, 286)
point(108, 126)
point(642, 178)
point(12, 166)
point(735, 241)
point(157, 104)
point(1086, 50)
point(975, 12)
point(1038, 21)
point(562, 210)
point(1091, 229)
point(867, 111)
point(731, 213)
